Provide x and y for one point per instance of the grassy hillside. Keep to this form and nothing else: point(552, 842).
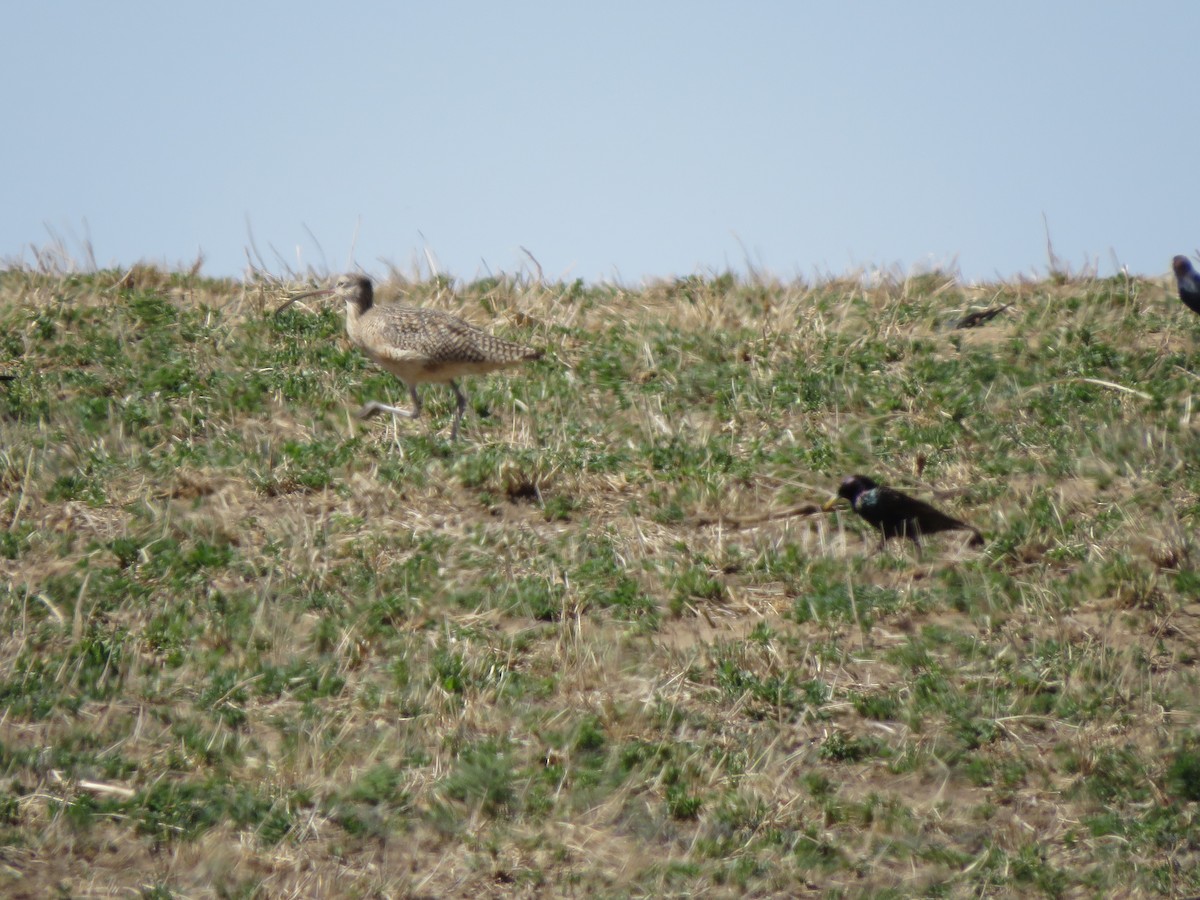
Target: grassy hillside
point(252, 647)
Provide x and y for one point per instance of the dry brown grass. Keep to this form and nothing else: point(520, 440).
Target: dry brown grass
point(1028, 693)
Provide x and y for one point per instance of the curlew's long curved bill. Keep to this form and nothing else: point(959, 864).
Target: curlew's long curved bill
point(321, 293)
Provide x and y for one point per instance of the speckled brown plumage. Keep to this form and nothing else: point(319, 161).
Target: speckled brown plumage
point(419, 345)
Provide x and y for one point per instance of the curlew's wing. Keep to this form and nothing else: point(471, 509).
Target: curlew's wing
point(437, 338)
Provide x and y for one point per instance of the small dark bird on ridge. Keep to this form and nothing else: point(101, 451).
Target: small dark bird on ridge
point(896, 514)
point(977, 318)
point(1188, 282)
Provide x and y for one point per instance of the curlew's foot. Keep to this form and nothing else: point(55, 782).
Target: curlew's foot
point(375, 406)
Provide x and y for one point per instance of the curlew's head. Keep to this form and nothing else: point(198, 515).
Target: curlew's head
point(353, 288)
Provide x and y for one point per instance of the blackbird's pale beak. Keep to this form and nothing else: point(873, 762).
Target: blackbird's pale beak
point(831, 503)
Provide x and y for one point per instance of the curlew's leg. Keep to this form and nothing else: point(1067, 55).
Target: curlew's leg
point(369, 409)
point(462, 407)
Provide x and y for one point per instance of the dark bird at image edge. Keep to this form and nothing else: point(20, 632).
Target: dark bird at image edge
point(1188, 282)
point(896, 514)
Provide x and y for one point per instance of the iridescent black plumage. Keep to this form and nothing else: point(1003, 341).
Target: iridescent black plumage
point(1188, 283)
point(899, 515)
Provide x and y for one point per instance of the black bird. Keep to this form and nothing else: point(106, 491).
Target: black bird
point(1188, 282)
point(977, 318)
point(896, 514)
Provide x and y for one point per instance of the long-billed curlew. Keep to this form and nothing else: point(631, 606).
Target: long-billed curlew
point(418, 345)
point(896, 514)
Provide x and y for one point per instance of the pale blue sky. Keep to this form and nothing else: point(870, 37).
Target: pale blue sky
point(615, 140)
